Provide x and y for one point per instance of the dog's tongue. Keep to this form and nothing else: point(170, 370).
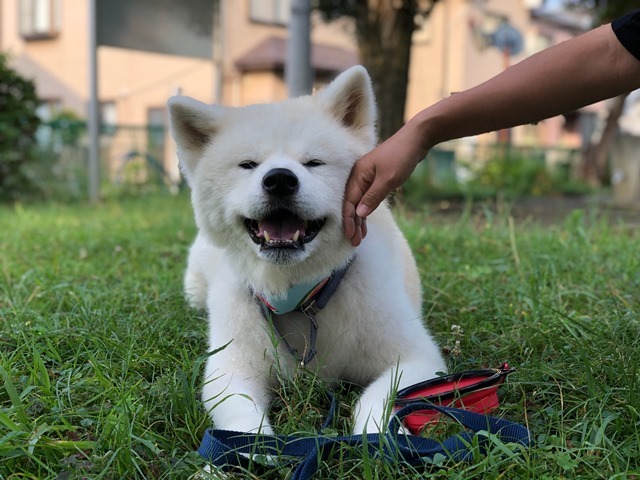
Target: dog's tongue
point(284, 229)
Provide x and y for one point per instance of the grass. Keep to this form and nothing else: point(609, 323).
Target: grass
point(100, 358)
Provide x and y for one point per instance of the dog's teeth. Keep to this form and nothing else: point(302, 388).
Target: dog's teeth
point(296, 235)
point(266, 236)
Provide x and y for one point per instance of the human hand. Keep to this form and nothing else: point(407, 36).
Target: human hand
point(376, 175)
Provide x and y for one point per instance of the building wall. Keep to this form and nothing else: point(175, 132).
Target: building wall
point(260, 87)
point(134, 80)
point(241, 34)
point(57, 65)
point(138, 81)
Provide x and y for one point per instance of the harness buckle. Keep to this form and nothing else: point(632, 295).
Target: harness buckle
point(310, 312)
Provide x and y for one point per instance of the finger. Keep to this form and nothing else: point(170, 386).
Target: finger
point(360, 231)
point(357, 237)
point(349, 220)
point(361, 177)
point(357, 233)
point(372, 198)
point(356, 186)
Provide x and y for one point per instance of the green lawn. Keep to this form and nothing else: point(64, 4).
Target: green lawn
point(100, 358)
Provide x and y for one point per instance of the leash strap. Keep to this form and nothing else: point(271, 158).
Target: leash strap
point(227, 449)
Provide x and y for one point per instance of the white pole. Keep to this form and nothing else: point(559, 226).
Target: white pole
point(298, 71)
point(92, 118)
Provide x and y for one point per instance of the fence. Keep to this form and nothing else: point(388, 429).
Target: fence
point(135, 159)
point(132, 159)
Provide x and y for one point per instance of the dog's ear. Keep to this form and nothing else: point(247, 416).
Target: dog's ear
point(193, 126)
point(350, 99)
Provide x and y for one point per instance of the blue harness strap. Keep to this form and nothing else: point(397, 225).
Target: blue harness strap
point(227, 449)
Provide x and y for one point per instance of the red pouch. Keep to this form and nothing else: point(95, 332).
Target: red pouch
point(473, 390)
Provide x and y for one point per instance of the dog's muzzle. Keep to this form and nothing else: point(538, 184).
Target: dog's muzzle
point(281, 227)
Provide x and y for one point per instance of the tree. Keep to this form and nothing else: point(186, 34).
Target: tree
point(595, 161)
point(18, 125)
point(384, 29)
point(607, 10)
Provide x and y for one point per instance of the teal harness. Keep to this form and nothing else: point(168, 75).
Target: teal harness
point(307, 298)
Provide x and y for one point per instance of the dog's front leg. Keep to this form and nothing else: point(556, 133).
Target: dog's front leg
point(373, 410)
point(236, 396)
point(236, 389)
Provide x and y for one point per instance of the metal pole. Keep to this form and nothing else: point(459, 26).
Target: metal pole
point(445, 88)
point(218, 48)
point(92, 118)
point(298, 71)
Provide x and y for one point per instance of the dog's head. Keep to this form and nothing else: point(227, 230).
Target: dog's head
point(268, 180)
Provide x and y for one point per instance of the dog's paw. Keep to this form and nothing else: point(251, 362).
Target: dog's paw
point(211, 472)
point(195, 290)
point(195, 301)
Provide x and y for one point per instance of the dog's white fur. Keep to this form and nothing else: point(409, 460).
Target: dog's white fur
point(371, 331)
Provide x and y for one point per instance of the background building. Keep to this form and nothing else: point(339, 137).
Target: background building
point(47, 41)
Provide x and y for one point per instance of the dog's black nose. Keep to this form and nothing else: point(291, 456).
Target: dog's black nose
point(280, 182)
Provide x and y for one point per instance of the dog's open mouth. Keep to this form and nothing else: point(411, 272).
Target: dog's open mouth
point(283, 229)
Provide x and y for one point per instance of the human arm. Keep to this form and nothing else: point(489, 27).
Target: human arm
point(581, 71)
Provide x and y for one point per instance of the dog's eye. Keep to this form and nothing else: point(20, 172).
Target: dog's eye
point(314, 163)
point(248, 164)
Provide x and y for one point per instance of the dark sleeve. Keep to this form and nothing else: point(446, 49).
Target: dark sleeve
point(627, 29)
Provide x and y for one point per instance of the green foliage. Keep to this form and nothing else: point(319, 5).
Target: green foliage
point(37, 161)
point(18, 125)
point(69, 125)
point(509, 174)
point(513, 174)
point(516, 176)
point(58, 169)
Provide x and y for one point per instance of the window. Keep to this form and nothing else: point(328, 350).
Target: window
point(39, 19)
point(270, 11)
point(108, 118)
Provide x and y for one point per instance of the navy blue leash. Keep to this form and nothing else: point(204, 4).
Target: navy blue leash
point(224, 448)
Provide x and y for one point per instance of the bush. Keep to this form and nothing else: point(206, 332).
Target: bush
point(511, 174)
point(70, 127)
point(516, 176)
point(18, 125)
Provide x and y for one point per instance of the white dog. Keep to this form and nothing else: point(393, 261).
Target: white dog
point(267, 186)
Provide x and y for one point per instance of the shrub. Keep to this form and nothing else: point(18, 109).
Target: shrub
point(18, 125)
point(510, 173)
point(70, 127)
point(516, 176)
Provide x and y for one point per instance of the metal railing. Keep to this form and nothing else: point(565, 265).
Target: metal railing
point(132, 158)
